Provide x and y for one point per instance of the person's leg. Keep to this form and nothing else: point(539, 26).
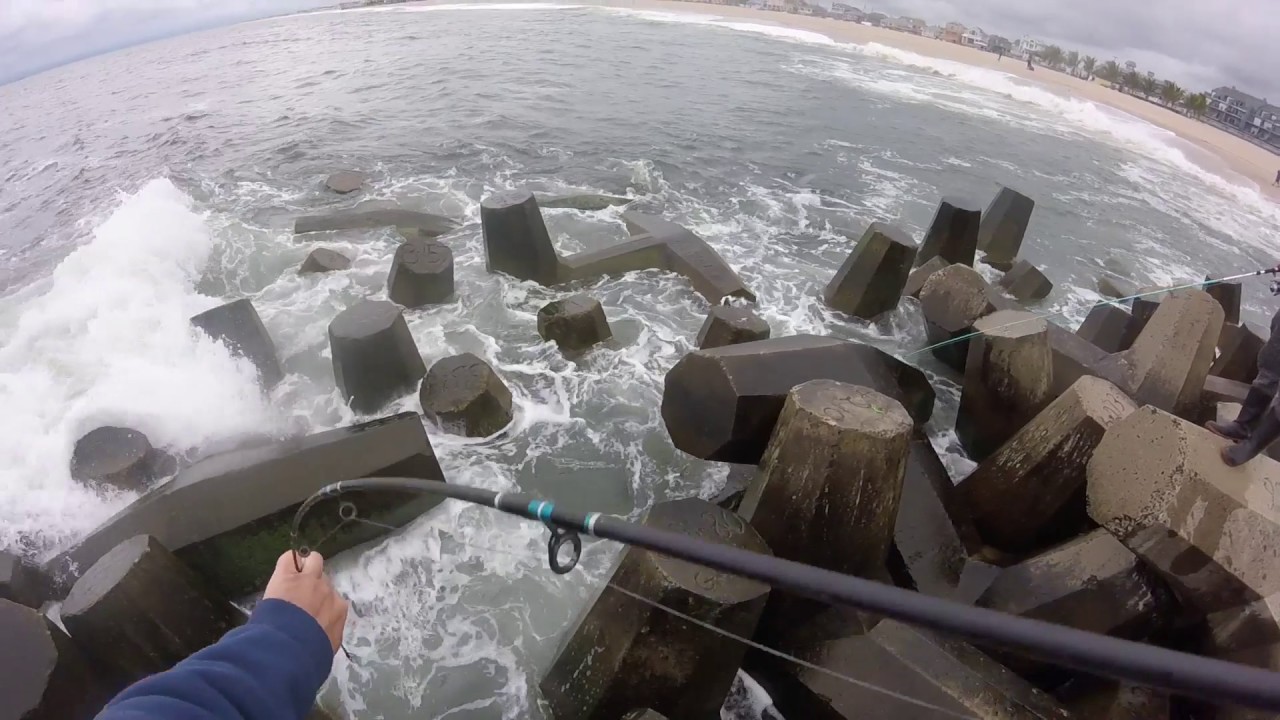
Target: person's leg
point(1266, 432)
point(1255, 404)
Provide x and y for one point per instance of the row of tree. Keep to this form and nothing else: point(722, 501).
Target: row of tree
point(1166, 92)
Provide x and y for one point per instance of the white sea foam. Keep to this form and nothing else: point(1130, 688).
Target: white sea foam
point(107, 341)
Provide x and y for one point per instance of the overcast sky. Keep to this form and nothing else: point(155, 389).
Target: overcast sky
point(39, 34)
point(1199, 43)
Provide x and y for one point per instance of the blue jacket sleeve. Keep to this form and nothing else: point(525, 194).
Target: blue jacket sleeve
point(269, 669)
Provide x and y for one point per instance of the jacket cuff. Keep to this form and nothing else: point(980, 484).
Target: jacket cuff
point(294, 622)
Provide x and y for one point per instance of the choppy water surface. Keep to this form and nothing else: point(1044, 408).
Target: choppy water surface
point(139, 188)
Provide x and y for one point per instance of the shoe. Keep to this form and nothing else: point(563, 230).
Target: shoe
point(1254, 406)
point(1267, 432)
point(1233, 430)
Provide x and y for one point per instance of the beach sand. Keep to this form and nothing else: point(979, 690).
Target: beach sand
point(1232, 154)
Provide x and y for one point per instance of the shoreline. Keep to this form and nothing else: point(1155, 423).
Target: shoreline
point(1233, 154)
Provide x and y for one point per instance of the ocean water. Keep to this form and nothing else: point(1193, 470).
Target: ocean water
point(142, 187)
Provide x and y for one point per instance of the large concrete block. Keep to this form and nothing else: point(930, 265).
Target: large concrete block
point(1153, 470)
point(870, 281)
point(662, 245)
point(344, 182)
point(322, 260)
point(924, 670)
point(1168, 363)
point(237, 326)
point(43, 675)
point(23, 582)
point(1115, 287)
point(1073, 357)
point(421, 273)
point(953, 233)
point(515, 238)
point(465, 396)
point(1109, 327)
point(574, 323)
point(952, 300)
point(1238, 349)
point(1025, 282)
point(1228, 296)
point(728, 325)
point(722, 404)
point(138, 611)
point(934, 533)
point(1004, 224)
point(363, 218)
point(1090, 583)
point(830, 481)
point(228, 516)
point(623, 654)
point(1008, 380)
point(1022, 489)
point(115, 457)
point(375, 359)
point(919, 276)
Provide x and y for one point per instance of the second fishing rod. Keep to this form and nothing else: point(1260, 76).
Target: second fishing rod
point(1180, 673)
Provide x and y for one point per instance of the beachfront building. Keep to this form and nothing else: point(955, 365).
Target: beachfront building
point(1233, 108)
point(1266, 125)
point(998, 43)
point(932, 31)
point(847, 12)
point(877, 19)
point(975, 38)
point(1027, 47)
point(915, 26)
point(954, 32)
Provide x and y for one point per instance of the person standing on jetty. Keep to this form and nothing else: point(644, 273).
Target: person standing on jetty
point(268, 669)
point(1258, 423)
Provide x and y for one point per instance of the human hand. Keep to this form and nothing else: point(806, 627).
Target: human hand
point(311, 590)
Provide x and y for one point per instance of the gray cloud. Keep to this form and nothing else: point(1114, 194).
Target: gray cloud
point(1195, 43)
point(38, 34)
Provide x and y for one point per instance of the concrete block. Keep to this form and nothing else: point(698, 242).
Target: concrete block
point(952, 300)
point(466, 397)
point(421, 274)
point(1110, 328)
point(1021, 490)
point(728, 325)
point(1004, 224)
point(1238, 349)
point(582, 201)
point(322, 260)
point(375, 359)
point(515, 238)
point(953, 233)
point(919, 276)
point(870, 281)
point(23, 582)
point(623, 654)
point(228, 516)
point(574, 323)
point(1025, 282)
point(1008, 380)
point(237, 326)
point(722, 404)
point(115, 457)
point(422, 224)
point(45, 675)
point(344, 182)
point(1228, 296)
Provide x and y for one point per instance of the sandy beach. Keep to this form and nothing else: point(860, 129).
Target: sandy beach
point(1237, 155)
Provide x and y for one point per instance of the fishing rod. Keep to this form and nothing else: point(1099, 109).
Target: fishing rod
point(1275, 290)
point(1216, 681)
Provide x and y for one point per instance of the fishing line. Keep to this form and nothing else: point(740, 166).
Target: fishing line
point(704, 625)
point(1117, 301)
point(1216, 681)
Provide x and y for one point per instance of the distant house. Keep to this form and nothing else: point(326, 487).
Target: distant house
point(932, 31)
point(1028, 47)
point(775, 5)
point(975, 38)
point(907, 25)
point(1233, 108)
point(847, 12)
point(996, 43)
point(1266, 124)
point(954, 32)
point(875, 18)
point(1130, 66)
